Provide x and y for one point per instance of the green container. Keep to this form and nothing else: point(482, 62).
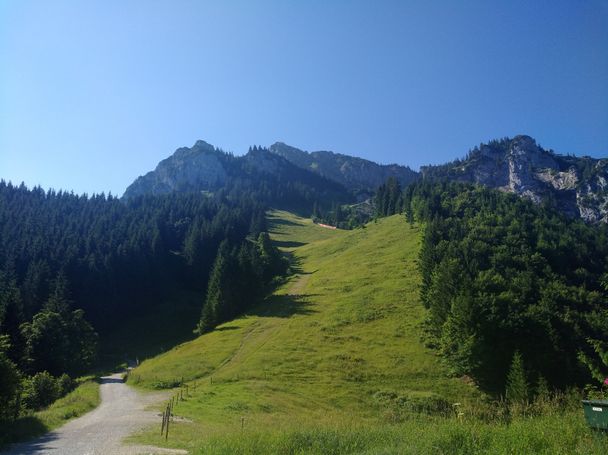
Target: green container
point(596, 413)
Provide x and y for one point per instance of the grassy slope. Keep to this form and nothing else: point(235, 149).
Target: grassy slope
point(342, 329)
point(78, 402)
point(305, 369)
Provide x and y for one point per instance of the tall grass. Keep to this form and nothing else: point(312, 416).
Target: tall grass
point(553, 426)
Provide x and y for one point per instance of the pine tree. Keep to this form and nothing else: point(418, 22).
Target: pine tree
point(517, 385)
point(59, 300)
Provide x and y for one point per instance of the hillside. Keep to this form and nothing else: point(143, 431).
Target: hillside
point(262, 175)
point(329, 346)
point(576, 186)
point(357, 174)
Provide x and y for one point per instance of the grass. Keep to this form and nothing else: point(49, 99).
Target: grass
point(332, 362)
point(81, 400)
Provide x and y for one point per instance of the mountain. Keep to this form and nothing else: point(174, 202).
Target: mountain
point(357, 174)
point(575, 185)
point(291, 178)
point(266, 176)
point(200, 167)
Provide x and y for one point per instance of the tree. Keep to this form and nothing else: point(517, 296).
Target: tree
point(59, 300)
point(59, 343)
point(217, 291)
point(9, 381)
point(517, 385)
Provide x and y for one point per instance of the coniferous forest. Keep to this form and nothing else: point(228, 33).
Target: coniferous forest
point(505, 279)
point(74, 267)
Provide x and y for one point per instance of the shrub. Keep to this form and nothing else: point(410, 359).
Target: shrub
point(42, 389)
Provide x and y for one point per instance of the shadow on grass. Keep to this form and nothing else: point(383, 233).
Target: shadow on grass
point(106, 380)
point(284, 306)
point(224, 329)
point(275, 221)
point(287, 244)
point(23, 429)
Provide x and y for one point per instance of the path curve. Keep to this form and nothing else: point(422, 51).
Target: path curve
point(122, 411)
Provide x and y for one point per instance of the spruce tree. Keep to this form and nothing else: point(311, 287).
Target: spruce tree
point(517, 385)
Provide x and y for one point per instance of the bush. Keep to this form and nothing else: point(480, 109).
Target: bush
point(42, 389)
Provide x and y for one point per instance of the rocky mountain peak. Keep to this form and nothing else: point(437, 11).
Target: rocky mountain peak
point(199, 166)
point(577, 186)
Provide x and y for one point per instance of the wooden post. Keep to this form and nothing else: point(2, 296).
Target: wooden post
point(167, 433)
point(242, 422)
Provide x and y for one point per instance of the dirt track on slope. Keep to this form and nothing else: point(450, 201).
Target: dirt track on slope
point(122, 412)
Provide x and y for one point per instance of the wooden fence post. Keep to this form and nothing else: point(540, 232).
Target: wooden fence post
point(167, 433)
point(162, 425)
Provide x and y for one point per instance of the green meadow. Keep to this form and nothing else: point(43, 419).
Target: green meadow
point(333, 362)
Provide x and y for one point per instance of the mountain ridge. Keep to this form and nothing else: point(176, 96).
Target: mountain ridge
point(357, 174)
point(577, 186)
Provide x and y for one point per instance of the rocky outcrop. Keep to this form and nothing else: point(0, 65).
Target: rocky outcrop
point(264, 175)
point(576, 186)
point(198, 168)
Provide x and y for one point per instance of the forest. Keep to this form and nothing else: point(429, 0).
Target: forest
point(73, 267)
point(507, 282)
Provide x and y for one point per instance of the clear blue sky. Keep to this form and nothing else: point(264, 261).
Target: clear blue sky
point(93, 94)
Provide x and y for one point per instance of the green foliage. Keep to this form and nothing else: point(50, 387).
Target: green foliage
point(500, 274)
point(9, 381)
point(389, 198)
point(42, 389)
point(239, 279)
point(32, 424)
point(517, 385)
point(59, 342)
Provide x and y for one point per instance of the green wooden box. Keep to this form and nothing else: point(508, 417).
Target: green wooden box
point(596, 413)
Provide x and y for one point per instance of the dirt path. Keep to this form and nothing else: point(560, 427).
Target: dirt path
point(122, 411)
point(299, 284)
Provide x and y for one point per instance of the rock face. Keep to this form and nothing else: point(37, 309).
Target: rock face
point(199, 167)
point(205, 169)
point(577, 186)
point(357, 174)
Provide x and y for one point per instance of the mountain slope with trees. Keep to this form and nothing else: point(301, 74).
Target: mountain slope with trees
point(577, 186)
point(502, 276)
point(264, 176)
point(360, 176)
point(73, 268)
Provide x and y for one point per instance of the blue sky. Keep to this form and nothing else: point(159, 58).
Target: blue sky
point(93, 94)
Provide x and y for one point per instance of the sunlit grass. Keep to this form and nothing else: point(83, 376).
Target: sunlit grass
point(332, 362)
point(78, 402)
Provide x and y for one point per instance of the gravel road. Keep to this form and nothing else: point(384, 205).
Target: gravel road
point(122, 411)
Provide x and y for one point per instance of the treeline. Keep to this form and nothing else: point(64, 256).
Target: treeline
point(503, 277)
point(506, 279)
point(239, 279)
point(74, 266)
point(389, 198)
